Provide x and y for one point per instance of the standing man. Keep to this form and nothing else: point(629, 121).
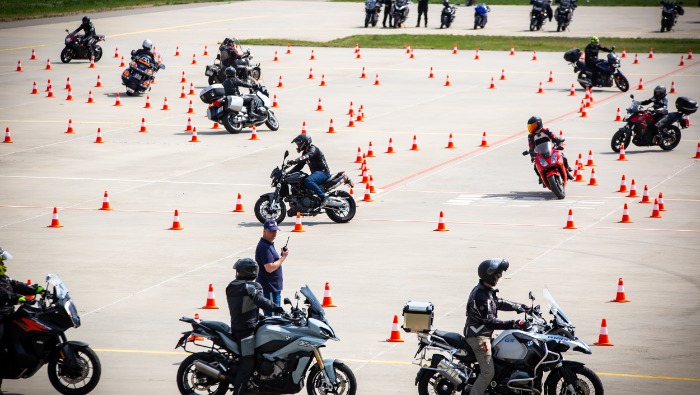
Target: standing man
point(422, 10)
point(387, 12)
point(270, 264)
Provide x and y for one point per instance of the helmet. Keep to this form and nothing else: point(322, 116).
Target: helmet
point(594, 39)
point(147, 44)
point(4, 255)
point(86, 19)
point(492, 269)
point(534, 124)
point(230, 71)
point(660, 92)
point(302, 141)
point(246, 269)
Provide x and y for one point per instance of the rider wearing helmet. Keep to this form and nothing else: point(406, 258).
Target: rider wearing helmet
point(146, 49)
point(482, 318)
point(591, 51)
point(318, 167)
point(539, 134)
point(231, 84)
point(660, 104)
point(89, 36)
point(245, 297)
point(230, 52)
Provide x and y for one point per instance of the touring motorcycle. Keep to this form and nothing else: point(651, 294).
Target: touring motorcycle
point(447, 16)
point(139, 76)
point(35, 336)
point(290, 187)
point(608, 71)
point(521, 359)
point(549, 162)
point(399, 13)
point(564, 14)
point(245, 70)
point(640, 127)
point(76, 48)
point(538, 14)
point(230, 111)
point(287, 352)
point(372, 10)
point(481, 15)
point(669, 14)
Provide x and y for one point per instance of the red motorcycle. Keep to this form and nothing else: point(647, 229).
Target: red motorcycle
point(640, 127)
point(549, 163)
point(76, 48)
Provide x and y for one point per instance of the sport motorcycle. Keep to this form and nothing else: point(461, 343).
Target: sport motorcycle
point(287, 353)
point(564, 14)
point(289, 187)
point(35, 336)
point(245, 70)
point(521, 359)
point(231, 111)
point(549, 162)
point(640, 127)
point(399, 13)
point(139, 76)
point(608, 71)
point(372, 10)
point(76, 48)
point(481, 15)
point(447, 16)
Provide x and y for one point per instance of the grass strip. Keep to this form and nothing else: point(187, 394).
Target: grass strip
point(580, 3)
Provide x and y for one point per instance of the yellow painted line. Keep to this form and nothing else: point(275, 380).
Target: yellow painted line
point(641, 376)
point(141, 352)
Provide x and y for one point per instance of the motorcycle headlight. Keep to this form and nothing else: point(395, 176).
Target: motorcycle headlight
point(543, 162)
point(554, 159)
point(68, 41)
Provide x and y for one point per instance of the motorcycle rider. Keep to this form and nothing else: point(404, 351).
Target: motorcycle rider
point(230, 52)
point(231, 84)
point(591, 51)
point(572, 3)
point(245, 297)
point(422, 10)
point(89, 37)
point(660, 105)
point(318, 167)
point(387, 11)
point(547, 6)
point(539, 134)
point(482, 318)
point(146, 49)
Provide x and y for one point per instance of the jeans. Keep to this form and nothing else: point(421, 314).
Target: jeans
point(314, 179)
point(482, 350)
point(275, 297)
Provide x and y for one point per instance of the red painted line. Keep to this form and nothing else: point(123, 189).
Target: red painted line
point(124, 211)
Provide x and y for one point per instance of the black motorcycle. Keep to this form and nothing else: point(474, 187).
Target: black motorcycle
point(139, 76)
point(447, 16)
point(399, 13)
point(35, 336)
point(539, 14)
point(372, 10)
point(245, 70)
point(231, 111)
point(564, 14)
point(290, 187)
point(77, 48)
point(608, 71)
point(481, 15)
point(669, 14)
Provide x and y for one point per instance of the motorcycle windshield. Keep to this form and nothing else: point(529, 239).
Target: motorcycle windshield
point(554, 307)
point(64, 298)
point(315, 309)
point(370, 4)
point(545, 149)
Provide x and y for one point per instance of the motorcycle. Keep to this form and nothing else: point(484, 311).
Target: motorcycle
point(231, 112)
point(290, 187)
point(287, 353)
point(372, 10)
point(549, 162)
point(641, 130)
point(480, 15)
point(564, 14)
point(139, 76)
point(521, 358)
point(399, 13)
point(447, 16)
point(245, 70)
point(77, 49)
point(35, 336)
point(669, 14)
point(608, 71)
point(538, 15)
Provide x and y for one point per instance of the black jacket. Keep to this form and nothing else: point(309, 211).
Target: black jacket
point(245, 298)
point(592, 50)
point(482, 312)
point(10, 291)
point(231, 85)
point(315, 158)
point(660, 105)
point(88, 28)
point(143, 51)
point(537, 139)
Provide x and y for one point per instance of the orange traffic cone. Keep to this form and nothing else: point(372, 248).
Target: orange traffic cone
point(323, 80)
point(623, 184)
point(190, 109)
point(122, 64)
point(364, 74)
point(215, 126)
point(476, 56)
point(105, 202)
point(205, 53)
point(297, 225)
point(311, 74)
point(99, 82)
point(633, 189)
point(370, 151)
point(661, 202)
point(622, 153)
point(194, 58)
point(390, 149)
point(673, 87)
point(55, 223)
point(48, 64)
point(412, 56)
point(274, 101)
point(551, 77)
point(8, 138)
point(620, 296)
point(90, 98)
point(583, 111)
point(590, 162)
point(624, 53)
point(331, 129)
point(534, 55)
point(447, 81)
point(572, 92)
point(99, 140)
point(351, 124)
point(276, 59)
point(70, 95)
point(327, 299)
point(441, 224)
point(579, 176)
point(512, 50)
point(357, 54)
point(35, 90)
point(368, 194)
point(625, 216)
point(603, 339)
point(189, 125)
point(358, 158)
point(116, 53)
point(697, 152)
point(655, 211)
point(33, 57)
point(641, 85)
point(312, 57)
point(690, 54)
point(376, 79)
point(414, 147)
point(183, 95)
point(351, 111)
point(570, 220)
point(431, 75)
point(165, 104)
point(30, 297)
point(651, 53)
point(19, 66)
point(454, 49)
point(148, 102)
point(177, 50)
point(593, 181)
point(503, 74)
point(395, 336)
point(645, 195)
point(319, 106)
point(618, 116)
point(280, 84)
point(254, 134)
point(195, 138)
point(191, 92)
point(484, 143)
point(239, 205)
point(70, 127)
point(492, 86)
point(195, 337)
point(50, 94)
point(540, 90)
point(176, 221)
point(143, 126)
point(92, 62)
point(211, 299)
point(118, 101)
point(636, 60)
point(450, 143)
point(370, 184)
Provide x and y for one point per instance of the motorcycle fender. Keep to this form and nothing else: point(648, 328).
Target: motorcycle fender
point(270, 196)
point(67, 351)
point(618, 74)
point(565, 371)
point(422, 372)
point(328, 367)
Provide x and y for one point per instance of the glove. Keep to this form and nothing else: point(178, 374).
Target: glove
point(39, 290)
point(21, 299)
point(278, 309)
point(519, 324)
point(522, 308)
point(293, 162)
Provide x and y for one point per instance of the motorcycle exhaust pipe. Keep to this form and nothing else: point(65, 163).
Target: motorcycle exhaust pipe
point(450, 373)
point(209, 371)
point(582, 81)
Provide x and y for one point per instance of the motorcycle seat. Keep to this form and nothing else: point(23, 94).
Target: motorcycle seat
point(454, 339)
point(216, 326)
point(332, 180)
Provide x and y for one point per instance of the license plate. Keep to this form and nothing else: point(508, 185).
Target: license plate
point(137, 76)
point(209, 73)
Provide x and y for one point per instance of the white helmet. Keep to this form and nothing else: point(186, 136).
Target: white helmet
point(147, 44)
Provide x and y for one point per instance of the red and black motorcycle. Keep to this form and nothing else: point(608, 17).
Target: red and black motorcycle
point(549, 162)
point(76, 48)
point(640, 127)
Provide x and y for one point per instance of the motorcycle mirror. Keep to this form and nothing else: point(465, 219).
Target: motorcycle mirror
point(532, 297)
point(287, 301)
point(286, 154)
point(218, 57)
point(162, 67)
point(632, 96)
point(296, 295)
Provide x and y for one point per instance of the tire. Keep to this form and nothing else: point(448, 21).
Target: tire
point(582, 75)
point(187, 376)
point(263, 212)
point(367, 18)
point(98, 53)
point(345, 383)
point(231, 126)
point(80, 383)
point(532, 26)
point(593, 386)
point(272, 122)
point(129, 93)
point(558, 26)
point(622, 83)
point(256, 73)
point(345, 213)
point(621, 136)
point(672, 141)
point(433, 383)
point(212, 80)
point(557, 186)
point(66, 55)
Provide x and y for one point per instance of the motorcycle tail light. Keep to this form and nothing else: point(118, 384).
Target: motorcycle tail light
point(125, 73)
point(684, 123)
point(216, 103)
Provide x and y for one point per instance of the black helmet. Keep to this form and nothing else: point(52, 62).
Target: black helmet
point(302, 141)
point(534, 124)
point(660, 92)
point(246, 269)
point(491, 270)
point(230, 71)
point(86, 19)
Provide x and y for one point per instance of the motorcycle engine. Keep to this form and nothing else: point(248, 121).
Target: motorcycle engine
point(519, 379)
point(302, 204)
point(273, 374)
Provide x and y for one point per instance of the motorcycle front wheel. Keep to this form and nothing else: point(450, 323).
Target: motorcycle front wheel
point(622, 84)
point(272, 122)
point(98, 53)
point(190, 381)
point(66, 55)
point(231, 124)
point(620, 137)
point(434, 383)
point(342, 214)
point(557, 186)
point(586, 382)
point(264, 212)
point(533, 26)
point(671, 140)
point(256, 73)
point(78, 381)
point(345, 382)
point(367, 18)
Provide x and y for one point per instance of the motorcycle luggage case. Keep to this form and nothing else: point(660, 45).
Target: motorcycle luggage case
point(235, 103)
point(686, 105)
point(211, 93)
point(572, 55)
point(418, 317)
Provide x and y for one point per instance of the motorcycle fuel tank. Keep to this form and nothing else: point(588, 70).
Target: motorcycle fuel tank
point(270, 338)
point(509, 348)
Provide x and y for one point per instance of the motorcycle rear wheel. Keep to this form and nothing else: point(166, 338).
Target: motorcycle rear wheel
point(66, 55)
point(672, 141)
point(344, 214)
point(587, 382)
point(232, 126)
point(620, 137)
point(622, 84)
point(192, 382)
point(557, 186)
point(264, 213)
point(75, 383)
point(434, 383)
point(345, 381)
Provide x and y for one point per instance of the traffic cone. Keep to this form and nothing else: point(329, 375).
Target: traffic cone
point(311, 74)
point(590, 161)
point(484, 143)
point(376, 79)
point(303, 127)
point(512, 50)
point(297, 225)
point(280, 84)
point(618, 116)
point(327, 299)
point(177, 50)
point(651, 53)
point(454, 49)
point(92, 62)
point(662, 207)
point(191, 92)
point(583, 111)
point(572, 92)
point(690, 54)
point(206, 52)
point(118, 101)
point(673, 87)
point(55, 223)
point(105, 202)
point(622, 153)
point(254, 134)
point(623, 184)
point(358, 55)
point(195, 337)
point(70, 95)
point(274, 101)
point(30, 297)
point(368, 194)
point(450, 143)
point(99, 82)
point(19, 66)
point(360, 114)
point(447, 81)
point(624, 53)
point(620, 296)
point(390, 149)
point(331, 129)
point(312, 57)
point(492, 86)
point(655, 211)
point(412, 56)
point(697, 152)
point(540, 90)
point(682, 63)
point(70, 127)
point(195, 138)
point(570, 220)
point(68, 86)
point(215, 126)
point(534, 55)
point(561, 136)
point(503, 76)
point(116, 53)
point(414, 147)
point(323, 80)
point(143, 126)
point(194, 58)
point(551, 77)
point(351, 124)
point(441, 224)
point(370, 151)
point(48, 64)
point(276, 59)
point(476, 57)
point(636, 60)
point(176, 221)
point(319, 106)
point(625, 216)
point(363, 75)
point(370, 184)
point(365, 176)
point(8, 138)
point(351, 111)
point(190, 109)
point(579, 176)
point(645, 195)
point(603, 339)
point(641, 85)
point(50, 94)
point(148, 102)
point(99, 140)
point(239, 205)
point(211, 299)
point(122, 64)
point(358, 158)
point(395, 336)
point(33, 57)
point(189, 125)
point(183, 95)
point(165, 104)
point(593, 181)
point(35, 90)
point(633, 189)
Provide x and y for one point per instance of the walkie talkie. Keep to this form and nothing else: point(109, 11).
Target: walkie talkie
point(285, 245)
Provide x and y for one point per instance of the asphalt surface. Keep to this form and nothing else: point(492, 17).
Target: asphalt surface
point(132, 278)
